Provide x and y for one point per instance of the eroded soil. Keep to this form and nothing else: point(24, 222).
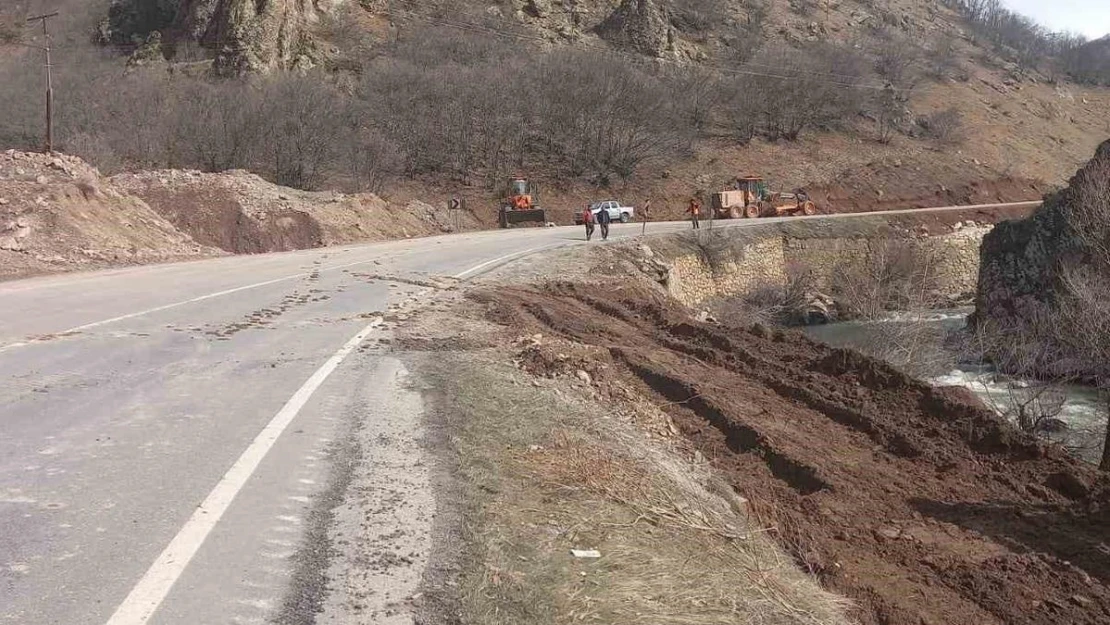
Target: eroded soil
point(917, 503)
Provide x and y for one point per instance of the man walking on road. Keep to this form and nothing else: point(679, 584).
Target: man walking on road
point(588, 219)
point(695, 212)
point(603, 220)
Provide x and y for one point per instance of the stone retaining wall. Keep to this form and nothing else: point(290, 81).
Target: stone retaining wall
point(750, 260)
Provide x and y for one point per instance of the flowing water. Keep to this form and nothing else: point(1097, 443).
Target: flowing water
point(1079, 407)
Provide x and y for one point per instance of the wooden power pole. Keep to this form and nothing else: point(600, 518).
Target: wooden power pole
point(49, 80)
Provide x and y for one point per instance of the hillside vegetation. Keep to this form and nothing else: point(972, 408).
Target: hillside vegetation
point(651, 98)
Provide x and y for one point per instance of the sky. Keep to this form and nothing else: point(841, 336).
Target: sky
point(1086, 17)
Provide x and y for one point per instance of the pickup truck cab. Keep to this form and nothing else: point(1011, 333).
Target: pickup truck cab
point(617, 212)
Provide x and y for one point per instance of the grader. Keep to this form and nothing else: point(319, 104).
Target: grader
point(751, 198)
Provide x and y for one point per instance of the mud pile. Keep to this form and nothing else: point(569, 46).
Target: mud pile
point(58, 214)
point(242, 213)
point(917, 503)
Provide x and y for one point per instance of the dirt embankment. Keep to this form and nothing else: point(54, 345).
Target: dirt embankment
point(58, 214)
point(917, 503)
point(241, 213)
point(868, 193)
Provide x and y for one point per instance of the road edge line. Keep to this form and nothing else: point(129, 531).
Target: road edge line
point(155, 585)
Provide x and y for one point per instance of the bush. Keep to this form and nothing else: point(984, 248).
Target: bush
point(10, 30)
point(945, 127)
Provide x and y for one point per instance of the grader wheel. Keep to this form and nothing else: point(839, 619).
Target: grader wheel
point(752, 211)
point(809, 208)
point(735, 212)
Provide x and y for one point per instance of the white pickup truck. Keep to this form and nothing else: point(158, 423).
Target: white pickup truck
point(617, 212)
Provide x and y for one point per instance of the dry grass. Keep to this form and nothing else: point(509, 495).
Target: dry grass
point(546, 471)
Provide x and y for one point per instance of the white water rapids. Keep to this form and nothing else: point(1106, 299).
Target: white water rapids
point(1079, 407)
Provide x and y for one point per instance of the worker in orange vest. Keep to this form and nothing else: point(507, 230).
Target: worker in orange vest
point(695, 212)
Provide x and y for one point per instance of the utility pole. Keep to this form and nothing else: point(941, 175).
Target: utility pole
point(49, 80)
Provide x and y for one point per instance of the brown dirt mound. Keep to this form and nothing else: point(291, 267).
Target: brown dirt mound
point(918, 503)
point(58, 214)
point(242, 213)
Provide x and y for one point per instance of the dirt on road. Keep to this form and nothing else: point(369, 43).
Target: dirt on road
point(919, 504)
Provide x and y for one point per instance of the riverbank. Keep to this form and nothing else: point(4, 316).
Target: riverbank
point(607, 418)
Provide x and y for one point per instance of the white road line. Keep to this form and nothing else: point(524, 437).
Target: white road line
point(201, 298)
point(155, 585)
point(507, 257)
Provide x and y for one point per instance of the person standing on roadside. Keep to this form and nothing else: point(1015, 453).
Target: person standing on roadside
point(646, 216)
point(588, 219)
point(695, 212)
point(603, 220)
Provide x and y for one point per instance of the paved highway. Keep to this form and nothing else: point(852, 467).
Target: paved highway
point(176, 440)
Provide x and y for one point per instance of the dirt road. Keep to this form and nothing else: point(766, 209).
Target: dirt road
point(917, 503)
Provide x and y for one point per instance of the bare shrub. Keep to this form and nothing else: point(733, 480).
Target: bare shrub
point(607, 118)
point(942, 56)
point(813, 88)
point(11, 29)
point(372, 159)
point(298, 131)
point(914, 346)
point(945, 127)
point(897, 62)
point(698, 93)
point(890, 275)
point(747, 39)
point(790, 303)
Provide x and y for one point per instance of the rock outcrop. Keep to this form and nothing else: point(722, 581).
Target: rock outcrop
point(639, 25)
point(1021, 261)
point(243, 35)
point(1044, 282)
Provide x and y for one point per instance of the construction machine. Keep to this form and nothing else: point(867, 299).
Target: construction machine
point(751, 198)
point(519, 204)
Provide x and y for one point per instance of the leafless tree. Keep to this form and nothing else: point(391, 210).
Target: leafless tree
point(946, 126)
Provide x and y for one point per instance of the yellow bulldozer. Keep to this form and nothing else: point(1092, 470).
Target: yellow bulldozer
point(750, 197)
point(519, 204)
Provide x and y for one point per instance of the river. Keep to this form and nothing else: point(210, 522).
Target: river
point(921, 343)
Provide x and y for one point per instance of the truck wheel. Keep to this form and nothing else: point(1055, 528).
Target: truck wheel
point(625, 218)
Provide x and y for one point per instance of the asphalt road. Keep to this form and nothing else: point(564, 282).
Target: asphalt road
point(169, 434)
